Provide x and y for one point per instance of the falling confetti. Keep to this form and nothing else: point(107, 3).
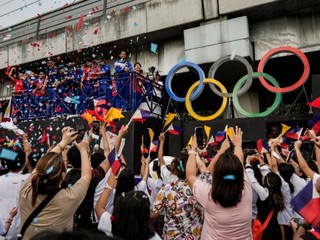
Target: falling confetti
point(153, 47)
point(80, 23)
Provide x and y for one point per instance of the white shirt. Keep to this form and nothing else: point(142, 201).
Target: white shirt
point(167, 176)
point(106, 226)
point(11, 184)
point(286, 214)
point(155, 186)
point(298, 183)
point(141, 186)
point(2, 230)
point(258, 191)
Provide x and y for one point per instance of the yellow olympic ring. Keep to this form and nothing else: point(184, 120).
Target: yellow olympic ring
point(217, 113)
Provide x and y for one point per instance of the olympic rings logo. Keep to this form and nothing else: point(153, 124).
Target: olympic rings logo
point(241, 87)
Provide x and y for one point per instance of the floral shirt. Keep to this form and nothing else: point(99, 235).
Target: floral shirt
point(183, 212)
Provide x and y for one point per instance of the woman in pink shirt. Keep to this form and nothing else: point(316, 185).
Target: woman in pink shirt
point(227, 201)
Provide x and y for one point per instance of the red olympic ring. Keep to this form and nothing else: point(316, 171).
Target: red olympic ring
point(282, 49)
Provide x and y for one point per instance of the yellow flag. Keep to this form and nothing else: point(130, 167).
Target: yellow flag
point(170, 117)
point(207, 131)
point(285, 128)
point(230, 132)
point(151, 134)
point(87, 116)
point(112, 114)
point(190, 142)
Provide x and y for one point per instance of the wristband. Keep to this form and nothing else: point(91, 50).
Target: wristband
point(192, 152)
point(108, 187)
point(248, 166)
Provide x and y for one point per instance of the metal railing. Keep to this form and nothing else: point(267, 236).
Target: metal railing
point(135, 91)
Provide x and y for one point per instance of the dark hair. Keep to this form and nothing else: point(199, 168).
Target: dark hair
point(273, 183)
point(125, 52)
point(286, 171)
point(178, 166)
point(137, 63)
point(16, 164)
point(74, 157)
point(131, 217)
point(33, 158)
point(96, 159)
point(125, 183)
point(48, 175)
point(227, 192)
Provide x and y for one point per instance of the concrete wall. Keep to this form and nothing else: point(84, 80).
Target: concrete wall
point(209, 42)
point(295, 31)
point(210, 9)
point(145, 18)
point(229, 6)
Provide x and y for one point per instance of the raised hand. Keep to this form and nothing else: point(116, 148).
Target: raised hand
point(236, 139)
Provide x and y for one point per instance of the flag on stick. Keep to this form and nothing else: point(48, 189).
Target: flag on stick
point(139, 115)
point(294, 133)
point(212, 141)
point(315, 103)
point(262, 146)
point(175, 130)
point(307, 203)
point(207, 130)
point(169, 119)
point(6, 116)
point(154, 146)
point(143, 147)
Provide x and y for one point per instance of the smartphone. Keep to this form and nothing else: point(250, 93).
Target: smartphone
point(200, 136)
point(96, 127)
point(155, 165)
point(80, 127)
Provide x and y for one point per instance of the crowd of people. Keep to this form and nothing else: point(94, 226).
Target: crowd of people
point(75, 190)
point(61, 90)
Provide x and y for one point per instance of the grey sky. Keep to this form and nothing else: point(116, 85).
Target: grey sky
point(16, 11)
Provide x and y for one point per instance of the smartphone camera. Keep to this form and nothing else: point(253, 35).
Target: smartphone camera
point(200, 136)
point(96, 127)
point(80, 128)
point(155, 165)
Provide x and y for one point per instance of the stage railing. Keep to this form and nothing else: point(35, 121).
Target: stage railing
point(136, 91)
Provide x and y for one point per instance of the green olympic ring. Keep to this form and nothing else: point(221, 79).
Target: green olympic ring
point(269, 110)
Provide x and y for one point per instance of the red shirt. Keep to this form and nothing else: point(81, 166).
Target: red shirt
point(19, 85)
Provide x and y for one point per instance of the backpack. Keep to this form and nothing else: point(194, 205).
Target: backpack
point(258, 228)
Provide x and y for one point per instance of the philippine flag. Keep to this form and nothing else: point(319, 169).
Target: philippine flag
point(220, 136)
point(294, 133)
point(154, 146)
point(175, 130)
point(307, 204)
point(262, 146)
